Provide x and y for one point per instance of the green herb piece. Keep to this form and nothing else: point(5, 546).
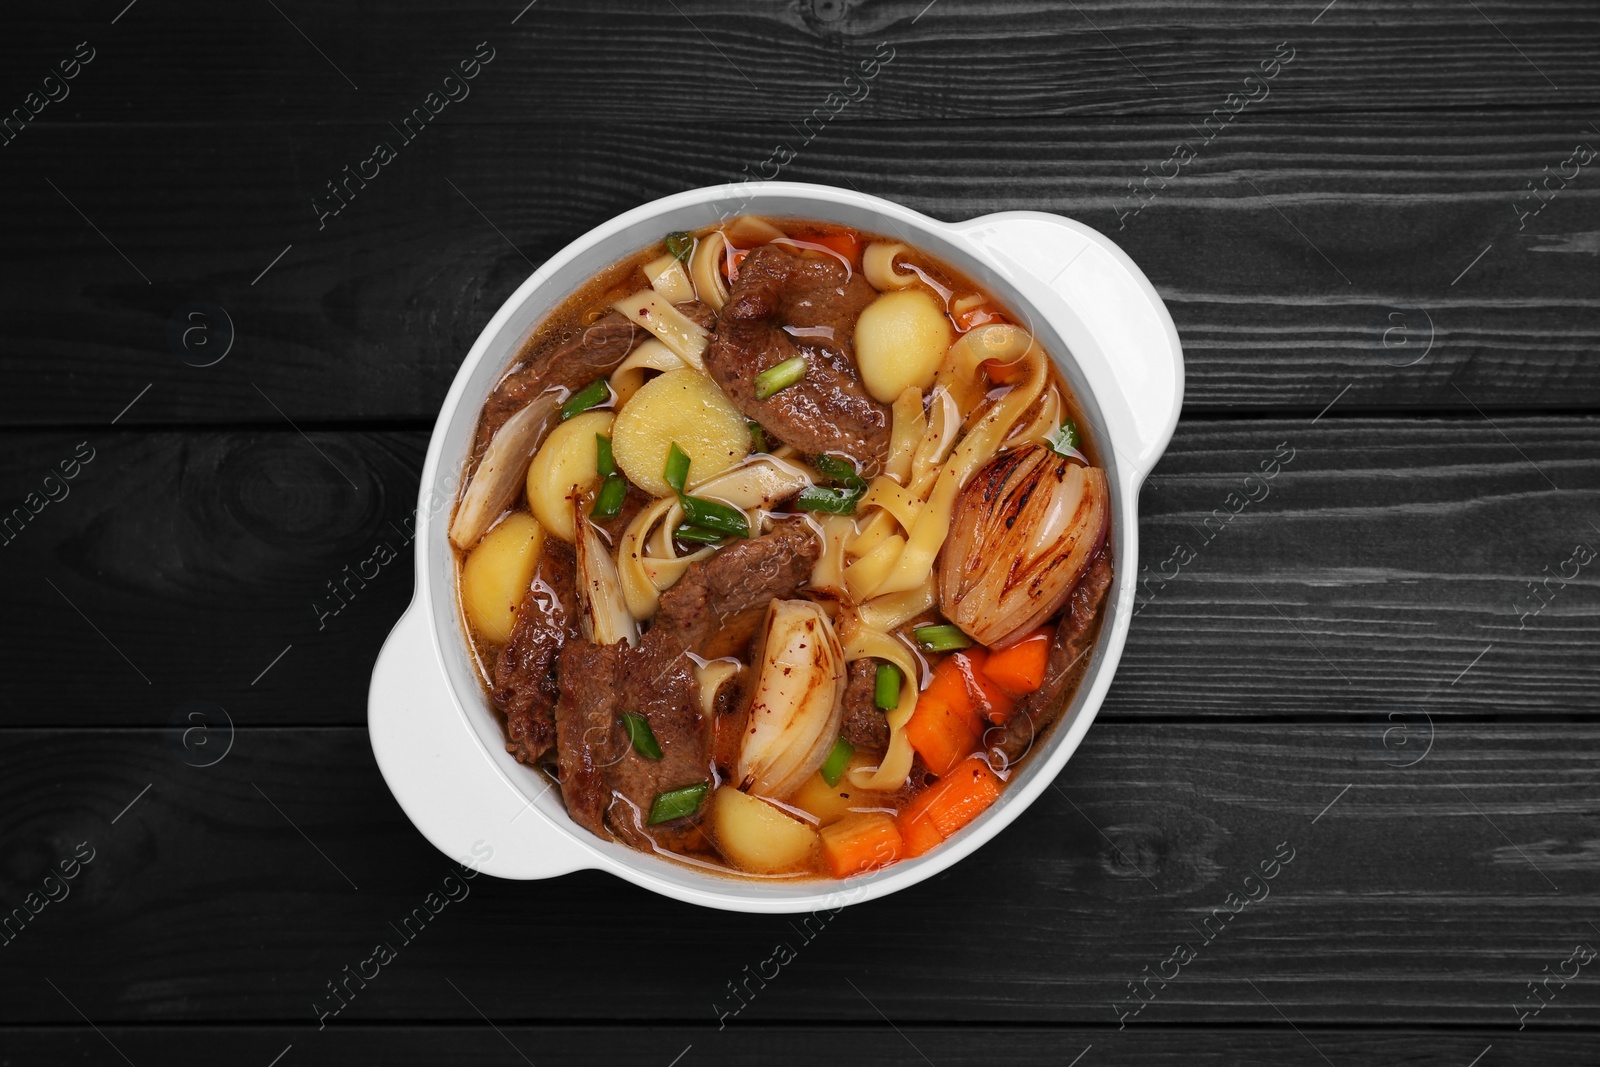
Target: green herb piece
point(782, 376)
point(608, 502)
point(604, 461)
point(944, 638)
point(680, 245)
point(695, 535)
point(677, 469)
point(714, 515)
point(833, 766)
point(676, 803)
point(841, 471)
point(596, 392)
point(886, 687)
point(643, 738)
point(758, 437)
point(1066, 437)
point(835, 501)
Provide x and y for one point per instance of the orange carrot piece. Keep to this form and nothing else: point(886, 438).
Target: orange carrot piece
point(948, 804)
point(991, 701)
point(861, 842)
point(1019, 668)
point(977, 315)
point(941, 735)
point(949, 687)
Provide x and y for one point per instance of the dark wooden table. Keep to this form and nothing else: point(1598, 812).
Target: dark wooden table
point(1377, 227)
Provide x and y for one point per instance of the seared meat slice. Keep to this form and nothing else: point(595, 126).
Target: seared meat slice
point(865, 725)
point(784, 305)
point(608, 785)
point(1069, 657)
point(524, 689)
point(570, 363)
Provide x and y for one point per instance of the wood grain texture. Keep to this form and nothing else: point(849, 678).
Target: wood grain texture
point(698, 59)
point(913, 1046)
point(1416, 893)
point(1298, 255)
point(1381, 561)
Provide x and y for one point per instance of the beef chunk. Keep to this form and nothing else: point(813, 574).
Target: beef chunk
point(865, 725)
point(524, 688)
point(570, 363)
point(606, 784)
point(784, 305)
point(1069, 657)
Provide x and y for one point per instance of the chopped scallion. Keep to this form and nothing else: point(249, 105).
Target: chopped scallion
point(695, 535)
point(779, 377)
point(841, 471)
point(833, 767)
point(676, 803)
point(758, 437)
point(604, 462)
point(835, 501)
point(1066, 437)
point(643, 738)
point(886, 687)
point(714, 515)
point(680, 245)
point(677, 469)
point(596, 392)
point(945, 638)
point(608, 502)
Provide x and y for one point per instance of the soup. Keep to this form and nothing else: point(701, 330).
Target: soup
point(779, 550)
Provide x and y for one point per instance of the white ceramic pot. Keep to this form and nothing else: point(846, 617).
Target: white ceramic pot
point(436, 738)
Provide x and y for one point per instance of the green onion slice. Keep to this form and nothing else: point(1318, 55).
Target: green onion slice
point(608, 502)
point(779, 377)
point(886, 687)
point(680, 245)
point(696, 535)
point(835, 501)
point(1066, 437)
point(758, 437)
point(596, 392)
point(677, 469)
point(676, 803)
point(643, 738)
point(841, 471)
point(946, 638)
point(714, 515)
point(604, 462)
point(833, 766)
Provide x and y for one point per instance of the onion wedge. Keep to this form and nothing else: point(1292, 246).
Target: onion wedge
point(797, 703)
point(503, 470)
point(1023, 531)
point(603, 614)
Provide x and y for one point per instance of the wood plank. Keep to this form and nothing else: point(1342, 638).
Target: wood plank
point(710, 59)
point(914, 1046)
point(1382, 573)
point(1412, 895)
point(1299, 254)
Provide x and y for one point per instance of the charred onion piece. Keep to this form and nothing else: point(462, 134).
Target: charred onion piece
point(1023, 531)
point(501, 473)
point(603, 614)
point(798, 700)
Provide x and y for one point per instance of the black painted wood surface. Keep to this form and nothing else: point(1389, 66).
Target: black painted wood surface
point(1362, 663)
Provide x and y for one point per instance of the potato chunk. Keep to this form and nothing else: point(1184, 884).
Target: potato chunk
point(758, 837)
point(497, 574)
point(564, 468)
point(901, 338)
point(683, 406)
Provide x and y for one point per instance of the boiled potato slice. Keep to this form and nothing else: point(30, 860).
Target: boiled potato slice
point(757, 837)
point(564, 467)
point(497, 574)
point(830, 803)
point(900, 339)
point(683, 406)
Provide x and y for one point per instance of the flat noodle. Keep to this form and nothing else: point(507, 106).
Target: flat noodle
point(894, 610)
point(877, 264)
point(709, 676)
point(870, 534)
point(827, 576)
point(652, 355)
point(1042, 426)
point(870, 571)
point(672, 327)
point(668, 278)
point(905, 431)
point(705, 269)
point(865, 642)
point(747, 231)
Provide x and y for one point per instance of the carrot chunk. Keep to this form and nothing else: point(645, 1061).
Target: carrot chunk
point(861, 842)
point(990, 701)
point(1019, 668)
point(947, 805)
point(942, 735)
point(846, 244)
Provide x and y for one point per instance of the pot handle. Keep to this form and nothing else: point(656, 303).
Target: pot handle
point(1119, 331)
point(441, 775)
